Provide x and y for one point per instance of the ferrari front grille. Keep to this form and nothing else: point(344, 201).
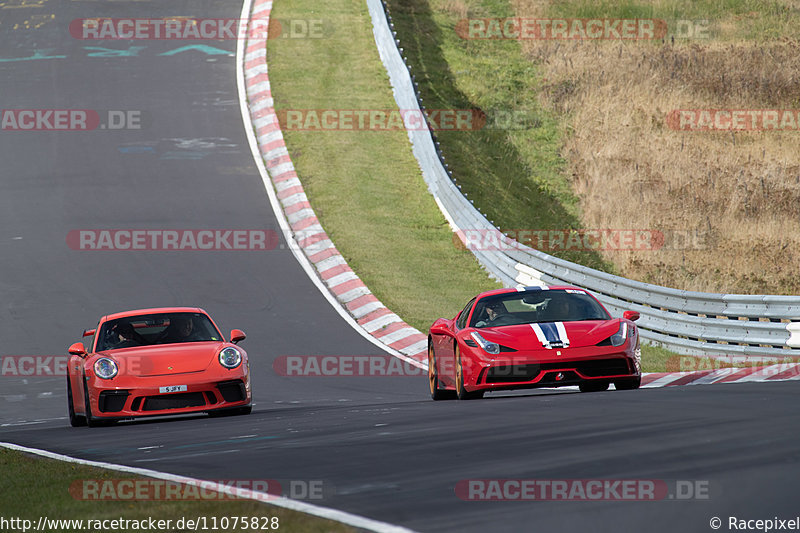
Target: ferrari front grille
point(592, 368)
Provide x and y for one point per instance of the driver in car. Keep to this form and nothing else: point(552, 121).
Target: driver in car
point(180, 330)
point(126, 336)
point(560, 309)
point(492, 311)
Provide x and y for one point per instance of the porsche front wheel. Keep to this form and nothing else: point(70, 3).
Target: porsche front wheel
point(231, 411)
point(74, 420)
point(91, 421)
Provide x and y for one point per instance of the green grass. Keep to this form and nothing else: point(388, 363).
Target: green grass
point(366, 186)
point(33, 487)
point(367, 189)
point(657, 359)
point(514, 173)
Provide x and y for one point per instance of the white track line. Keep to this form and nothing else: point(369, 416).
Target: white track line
point(278, 501)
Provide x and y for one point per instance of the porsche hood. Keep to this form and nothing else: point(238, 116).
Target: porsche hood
point(166, 359)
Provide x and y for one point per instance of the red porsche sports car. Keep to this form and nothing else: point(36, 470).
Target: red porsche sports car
point(156, 362)
point(532, 337)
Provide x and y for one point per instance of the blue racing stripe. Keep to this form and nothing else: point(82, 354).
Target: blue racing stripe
point(550, 331)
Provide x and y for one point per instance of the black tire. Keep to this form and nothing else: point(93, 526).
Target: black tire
point(246, 410)
point(91, 421)
point(628, 384)
point(75, 421)
point(235, 411)
point(461, 392)
point(437, 393)
point(593, 386)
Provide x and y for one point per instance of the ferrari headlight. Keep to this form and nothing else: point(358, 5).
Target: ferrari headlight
point(105, 368)
point(618, 338)
point(230, 357)
point(488, 347)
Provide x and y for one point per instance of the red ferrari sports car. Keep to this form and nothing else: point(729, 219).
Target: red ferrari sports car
point(532, 337)
point(156, 362)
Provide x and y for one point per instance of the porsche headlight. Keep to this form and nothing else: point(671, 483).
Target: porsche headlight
point(105, 368)
point(230, 357)
point(488, 347)
point(618, 338)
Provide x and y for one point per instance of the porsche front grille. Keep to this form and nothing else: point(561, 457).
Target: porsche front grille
point(174, 401)
point(232, 391)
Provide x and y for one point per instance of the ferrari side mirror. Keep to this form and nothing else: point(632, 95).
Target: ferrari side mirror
point(631, 315)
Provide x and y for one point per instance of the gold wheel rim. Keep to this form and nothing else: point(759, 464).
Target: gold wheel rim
point(459, 373)
point(431, 373)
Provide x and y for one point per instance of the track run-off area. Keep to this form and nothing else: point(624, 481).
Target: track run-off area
point(382, 450)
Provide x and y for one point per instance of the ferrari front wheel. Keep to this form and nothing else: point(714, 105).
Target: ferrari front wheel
point(437, 393)
point(593, 386)
point(628, 384)
point(74, 420)
point(461, 392)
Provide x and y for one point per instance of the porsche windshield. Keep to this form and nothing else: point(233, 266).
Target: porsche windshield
point(562, 305)
point(161, 328)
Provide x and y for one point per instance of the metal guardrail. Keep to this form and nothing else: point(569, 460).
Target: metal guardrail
point(692, 323)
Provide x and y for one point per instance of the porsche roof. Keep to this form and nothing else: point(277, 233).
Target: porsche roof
point(151, 311)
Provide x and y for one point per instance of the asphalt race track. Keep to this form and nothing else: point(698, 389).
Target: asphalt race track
point(381, 448)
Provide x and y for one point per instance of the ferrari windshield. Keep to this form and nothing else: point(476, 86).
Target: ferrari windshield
point(160, 328)
point(561, 305)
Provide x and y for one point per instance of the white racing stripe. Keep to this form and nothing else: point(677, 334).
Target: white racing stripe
point(540, 334)
point(562, 334)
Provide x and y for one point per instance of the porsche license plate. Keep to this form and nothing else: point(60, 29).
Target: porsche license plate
point(172, 388)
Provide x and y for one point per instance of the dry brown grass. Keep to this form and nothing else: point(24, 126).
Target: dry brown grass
point(456, 8)
point(740, 192)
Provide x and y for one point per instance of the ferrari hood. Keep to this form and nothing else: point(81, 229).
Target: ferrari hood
point(166, 359)
point(555, 334)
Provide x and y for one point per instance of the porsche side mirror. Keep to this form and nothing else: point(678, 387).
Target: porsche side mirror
point(237, 335)
point(631, 315)
point(77, 349)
